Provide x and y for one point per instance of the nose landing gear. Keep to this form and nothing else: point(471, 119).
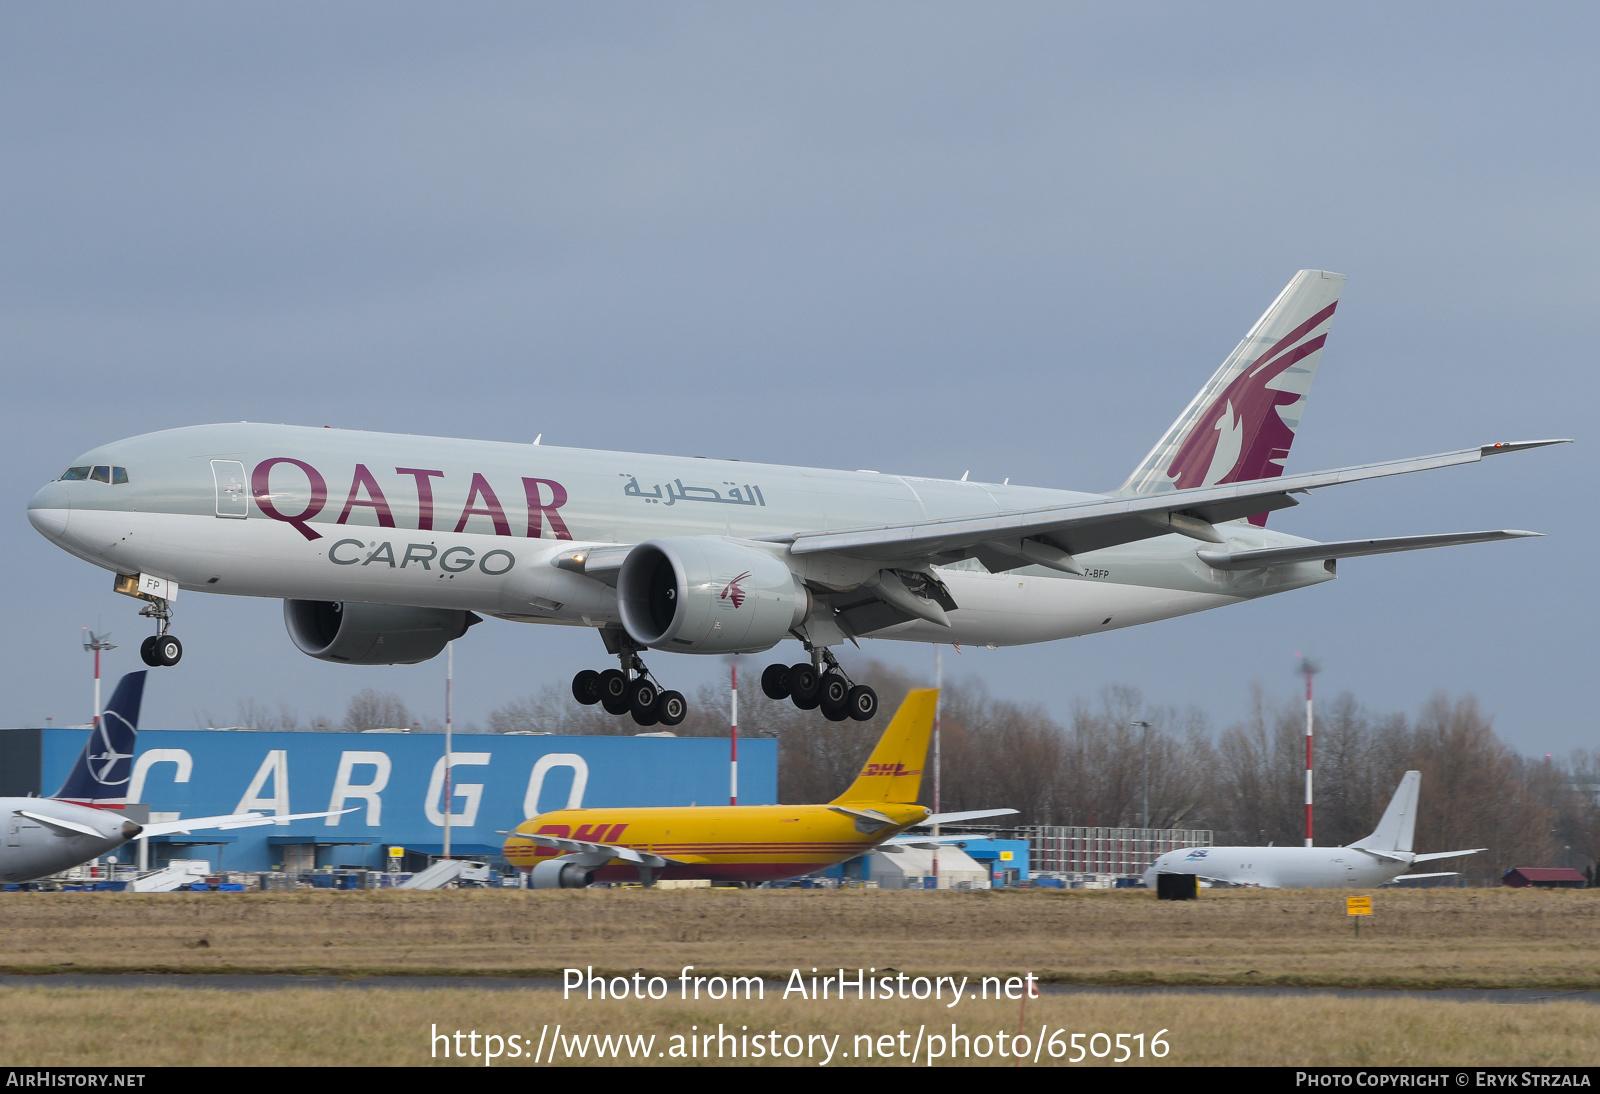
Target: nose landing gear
point(160, 649)
point(808, 687)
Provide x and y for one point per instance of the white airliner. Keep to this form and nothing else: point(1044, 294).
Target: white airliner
point(1378, 859)
point(385, 547)
point(85, 818)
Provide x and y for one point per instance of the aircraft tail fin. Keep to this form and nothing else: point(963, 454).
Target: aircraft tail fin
point(1399, 823)
point(100, 774)
point(893, 773)
point(1241, 424)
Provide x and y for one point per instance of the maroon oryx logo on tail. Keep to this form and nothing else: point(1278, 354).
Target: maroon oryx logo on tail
point(732, 591)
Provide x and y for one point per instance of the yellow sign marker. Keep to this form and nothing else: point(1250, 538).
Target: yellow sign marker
point(397, 852)
point(1006, 856)
point(1358, 905)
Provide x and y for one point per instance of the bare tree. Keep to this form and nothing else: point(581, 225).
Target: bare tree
point(370, 709)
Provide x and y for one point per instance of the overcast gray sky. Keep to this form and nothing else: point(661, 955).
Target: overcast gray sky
point(924, 238)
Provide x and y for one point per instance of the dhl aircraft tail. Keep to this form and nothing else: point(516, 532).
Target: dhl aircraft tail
point(894, 770)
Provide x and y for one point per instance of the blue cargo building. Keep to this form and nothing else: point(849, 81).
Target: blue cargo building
point(394, 782)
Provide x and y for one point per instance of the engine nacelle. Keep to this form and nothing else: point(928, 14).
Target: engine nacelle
point(559, 874)
point(372, 634)
point(707, 594)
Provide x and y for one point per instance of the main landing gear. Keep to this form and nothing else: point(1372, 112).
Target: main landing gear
point(820, 682)
point(630, 690)
point(160, 649)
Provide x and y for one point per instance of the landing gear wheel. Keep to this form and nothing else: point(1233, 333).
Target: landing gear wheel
point(775, 682)
point(671, 708)
point(168, 650)
point(805, 683)
point(862, 703)
point(586, 687)
point(614, 691)
point(147, 652)
point(642, 696)
point(835, 690)
point(833, 697)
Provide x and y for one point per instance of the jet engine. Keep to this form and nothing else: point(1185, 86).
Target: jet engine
point(372, 634)
point(559, 874)
point(707, 594)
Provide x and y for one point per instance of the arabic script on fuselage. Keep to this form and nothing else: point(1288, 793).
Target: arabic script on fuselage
point(675, 491)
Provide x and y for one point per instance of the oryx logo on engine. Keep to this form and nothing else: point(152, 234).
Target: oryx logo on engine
point(731, 591)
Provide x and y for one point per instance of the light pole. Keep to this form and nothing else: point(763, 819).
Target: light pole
point(1145, 782)
point(938, 702)
point(449, 685)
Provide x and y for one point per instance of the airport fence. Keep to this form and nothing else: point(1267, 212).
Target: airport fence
point(1120, 852)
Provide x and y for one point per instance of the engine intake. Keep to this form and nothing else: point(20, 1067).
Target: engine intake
point(708, 594)
point(372, 634)
point(559, 874)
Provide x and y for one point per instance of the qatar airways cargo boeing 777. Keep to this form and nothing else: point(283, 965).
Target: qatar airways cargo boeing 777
point(384, 547)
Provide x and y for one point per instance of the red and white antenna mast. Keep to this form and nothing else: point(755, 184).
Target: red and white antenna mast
point(733, 735)
point(97, 643)
point(1308, 668)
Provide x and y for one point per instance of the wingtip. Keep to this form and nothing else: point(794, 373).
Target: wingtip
point(1521, 533)
point(1519, 446)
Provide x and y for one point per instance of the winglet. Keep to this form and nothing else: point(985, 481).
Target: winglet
point(1518, 446)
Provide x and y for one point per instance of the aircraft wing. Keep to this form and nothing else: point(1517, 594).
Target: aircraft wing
point(1444, 854)
point(233, 820)
point(1349, 548)
point(584, 847)
point(1051, 535)
point(1414, 877)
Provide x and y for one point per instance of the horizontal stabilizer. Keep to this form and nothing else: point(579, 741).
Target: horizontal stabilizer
point(1446, 854)
point(1418, 877)
point(59, 826)
point(969, 815)
point(1349, 548)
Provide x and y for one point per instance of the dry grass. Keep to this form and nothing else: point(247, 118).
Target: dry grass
point(1417, 938)
point(201, 1027)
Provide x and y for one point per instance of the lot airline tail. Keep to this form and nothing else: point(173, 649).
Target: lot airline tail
point(1241, 424)
point(100, 775)
point(893, 773)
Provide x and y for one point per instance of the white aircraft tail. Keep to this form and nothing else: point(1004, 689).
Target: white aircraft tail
point(1399, 823)
point(1241, 424)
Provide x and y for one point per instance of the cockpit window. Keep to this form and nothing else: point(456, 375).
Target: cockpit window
point(74, 474)
point(119, 475)
point(101, 474)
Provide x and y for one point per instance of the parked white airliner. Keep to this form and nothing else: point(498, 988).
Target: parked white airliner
point(1378, 859)
point(384, 547)
point(85, 819)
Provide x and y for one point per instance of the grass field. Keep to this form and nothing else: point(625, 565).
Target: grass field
point(1416, 938)
point(131, 1028)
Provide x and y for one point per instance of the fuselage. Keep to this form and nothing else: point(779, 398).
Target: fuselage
point(322, 514)
point(720, 843)
point(33, 849)
point(1281, 867)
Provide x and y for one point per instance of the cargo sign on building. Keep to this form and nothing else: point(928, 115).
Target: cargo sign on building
point(394, 783)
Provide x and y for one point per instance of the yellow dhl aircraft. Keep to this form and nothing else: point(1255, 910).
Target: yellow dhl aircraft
point(570, 848)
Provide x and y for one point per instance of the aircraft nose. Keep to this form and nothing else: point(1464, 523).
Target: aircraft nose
point(48, 511)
